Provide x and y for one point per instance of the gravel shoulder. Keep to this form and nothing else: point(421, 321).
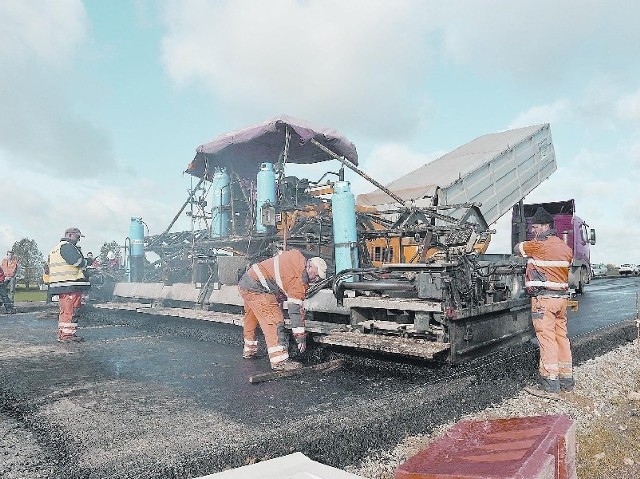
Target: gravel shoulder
point(605, 405)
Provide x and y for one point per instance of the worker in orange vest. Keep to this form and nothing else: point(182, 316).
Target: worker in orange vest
point(263, 287)
point(547, 282)
point(10, 268)
point(4, 296)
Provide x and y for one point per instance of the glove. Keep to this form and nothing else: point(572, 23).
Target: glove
point(301, 341)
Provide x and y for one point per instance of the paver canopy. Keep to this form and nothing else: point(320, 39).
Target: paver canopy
point(283, 137)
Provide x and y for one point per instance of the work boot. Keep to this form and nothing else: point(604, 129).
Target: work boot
point(286, 365)
point(550, 385)
point(548, 389)
point(12, 311)
point(541, 393)
point(567, 384)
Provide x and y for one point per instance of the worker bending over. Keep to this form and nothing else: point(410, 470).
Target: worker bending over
point(263, 288)
point(547, 282)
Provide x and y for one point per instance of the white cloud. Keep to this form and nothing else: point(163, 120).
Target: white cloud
point(39, 124)
point(388, 162)
point(332, 59)
point(43, 31)
point(43, 207)
point(628, 107)
point(365, 70)
point(551, 113)
point(539, 43)
point(600, 166)
point(634, 154)
point(602, 103)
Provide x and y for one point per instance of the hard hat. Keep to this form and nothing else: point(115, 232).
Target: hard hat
point(541, 217)
point(321, 266)
point(110, 255)
point(74, 231)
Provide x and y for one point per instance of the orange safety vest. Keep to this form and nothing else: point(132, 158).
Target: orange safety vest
point(547, 265)
point(283, 273)
point(10, 267)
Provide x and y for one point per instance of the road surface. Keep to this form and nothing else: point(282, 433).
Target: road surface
point(154, 396)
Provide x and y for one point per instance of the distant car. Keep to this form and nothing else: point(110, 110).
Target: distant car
point(599, 270)
point(627, 269)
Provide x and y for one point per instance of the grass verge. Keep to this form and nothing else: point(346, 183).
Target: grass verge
point(30, 295)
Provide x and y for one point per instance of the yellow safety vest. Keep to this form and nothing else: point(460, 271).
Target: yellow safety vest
point(59, 270)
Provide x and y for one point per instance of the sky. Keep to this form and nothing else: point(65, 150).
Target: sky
point(104, 103)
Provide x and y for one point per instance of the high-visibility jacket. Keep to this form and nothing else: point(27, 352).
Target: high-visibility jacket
point(548, 265)
point(9, 266)
point(66, 268)
point(285, 276)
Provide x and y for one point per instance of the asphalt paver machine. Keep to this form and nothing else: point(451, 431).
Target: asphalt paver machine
point(410, 271)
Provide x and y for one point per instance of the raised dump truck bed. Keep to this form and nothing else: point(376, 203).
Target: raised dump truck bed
point(496, 170)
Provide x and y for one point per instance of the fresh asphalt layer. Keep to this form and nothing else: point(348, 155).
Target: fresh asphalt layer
point(152, 396)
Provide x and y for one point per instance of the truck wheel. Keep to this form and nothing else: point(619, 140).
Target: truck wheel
point(581, 281)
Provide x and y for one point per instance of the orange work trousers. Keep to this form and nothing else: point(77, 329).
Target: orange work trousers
point(264, 310)
point(549, 316)
point(69, 304)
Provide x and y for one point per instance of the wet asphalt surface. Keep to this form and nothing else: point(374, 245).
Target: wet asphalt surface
point(151, 396)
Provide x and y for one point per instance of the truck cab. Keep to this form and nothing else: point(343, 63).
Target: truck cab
point(569, 227)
